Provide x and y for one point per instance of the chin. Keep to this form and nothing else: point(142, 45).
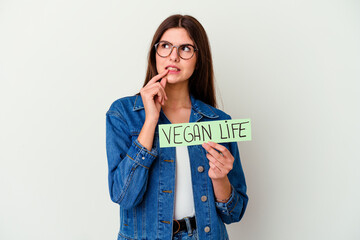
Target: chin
point(175, 80)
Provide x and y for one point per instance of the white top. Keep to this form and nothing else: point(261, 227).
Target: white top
point(184, 201)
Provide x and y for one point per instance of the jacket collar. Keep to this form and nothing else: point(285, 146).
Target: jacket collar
point(197, 105)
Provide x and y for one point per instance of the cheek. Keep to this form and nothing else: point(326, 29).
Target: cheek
point(193, 62)
point(159, 63)
point(191, 67)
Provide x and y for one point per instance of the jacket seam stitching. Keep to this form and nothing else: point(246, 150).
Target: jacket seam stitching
point(209, 210)
point(125, 236)
point(147, 151)
point(215, 115)
point(115, 114)
point(122, 195)
point(234, 205)
point(232, 199)
point(137, 162)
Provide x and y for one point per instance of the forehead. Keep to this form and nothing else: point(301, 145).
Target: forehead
point(176, 36)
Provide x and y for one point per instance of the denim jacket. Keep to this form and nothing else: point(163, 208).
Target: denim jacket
point(142, 182)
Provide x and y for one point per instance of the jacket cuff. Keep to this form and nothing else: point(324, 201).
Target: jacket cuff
point(227, 207)
point(139, 154)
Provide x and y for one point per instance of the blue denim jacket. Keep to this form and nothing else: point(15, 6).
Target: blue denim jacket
point(142, 182)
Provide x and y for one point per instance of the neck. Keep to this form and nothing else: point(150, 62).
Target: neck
point(178, 96)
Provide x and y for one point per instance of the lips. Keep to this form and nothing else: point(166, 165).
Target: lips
point(172, 68)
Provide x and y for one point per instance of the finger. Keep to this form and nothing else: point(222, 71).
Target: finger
point(161, 92)
point(158, 77)
point(156, 90)
point(163, 84)
point(152, 92)
point(157, 99)
point(215, 161)
point(225, 152)
point(212, 151)
point(214, 167)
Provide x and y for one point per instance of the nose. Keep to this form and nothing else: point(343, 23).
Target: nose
point(174, 56)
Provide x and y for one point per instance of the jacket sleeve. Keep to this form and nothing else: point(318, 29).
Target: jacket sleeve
point(234, 209)
point(128, 162)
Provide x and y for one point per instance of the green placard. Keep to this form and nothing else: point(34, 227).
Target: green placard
point(186, 134)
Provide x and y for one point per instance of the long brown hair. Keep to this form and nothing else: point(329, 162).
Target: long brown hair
point(201, 82)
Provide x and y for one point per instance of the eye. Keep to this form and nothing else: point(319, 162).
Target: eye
point(164, 45)
point(185, 48)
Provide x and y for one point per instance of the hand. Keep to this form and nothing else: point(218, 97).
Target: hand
point(220, 160)
point(153, 96)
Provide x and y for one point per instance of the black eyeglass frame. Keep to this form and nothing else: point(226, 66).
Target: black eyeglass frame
point(177, 49)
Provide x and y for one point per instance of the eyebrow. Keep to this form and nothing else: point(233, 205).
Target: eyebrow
point(179, 44)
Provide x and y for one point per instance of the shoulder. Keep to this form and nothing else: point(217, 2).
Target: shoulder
point(127, 108)
point(123, 103)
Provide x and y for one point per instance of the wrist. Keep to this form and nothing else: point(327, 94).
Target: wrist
point(222, 189)
point(146, 135)
point(151, 122)
point(220, 180)
point(223, 200)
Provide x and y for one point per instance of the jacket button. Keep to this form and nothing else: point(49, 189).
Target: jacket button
point(200, 168)
point(203, 198)
point(207, 229)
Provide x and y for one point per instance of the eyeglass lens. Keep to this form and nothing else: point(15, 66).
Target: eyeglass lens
point(185, 51)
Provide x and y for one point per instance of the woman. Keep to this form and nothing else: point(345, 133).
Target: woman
point(182, 192)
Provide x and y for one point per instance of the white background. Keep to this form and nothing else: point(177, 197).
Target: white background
point(290, 66)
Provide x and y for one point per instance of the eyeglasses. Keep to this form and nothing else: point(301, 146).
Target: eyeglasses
point(184, 51)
